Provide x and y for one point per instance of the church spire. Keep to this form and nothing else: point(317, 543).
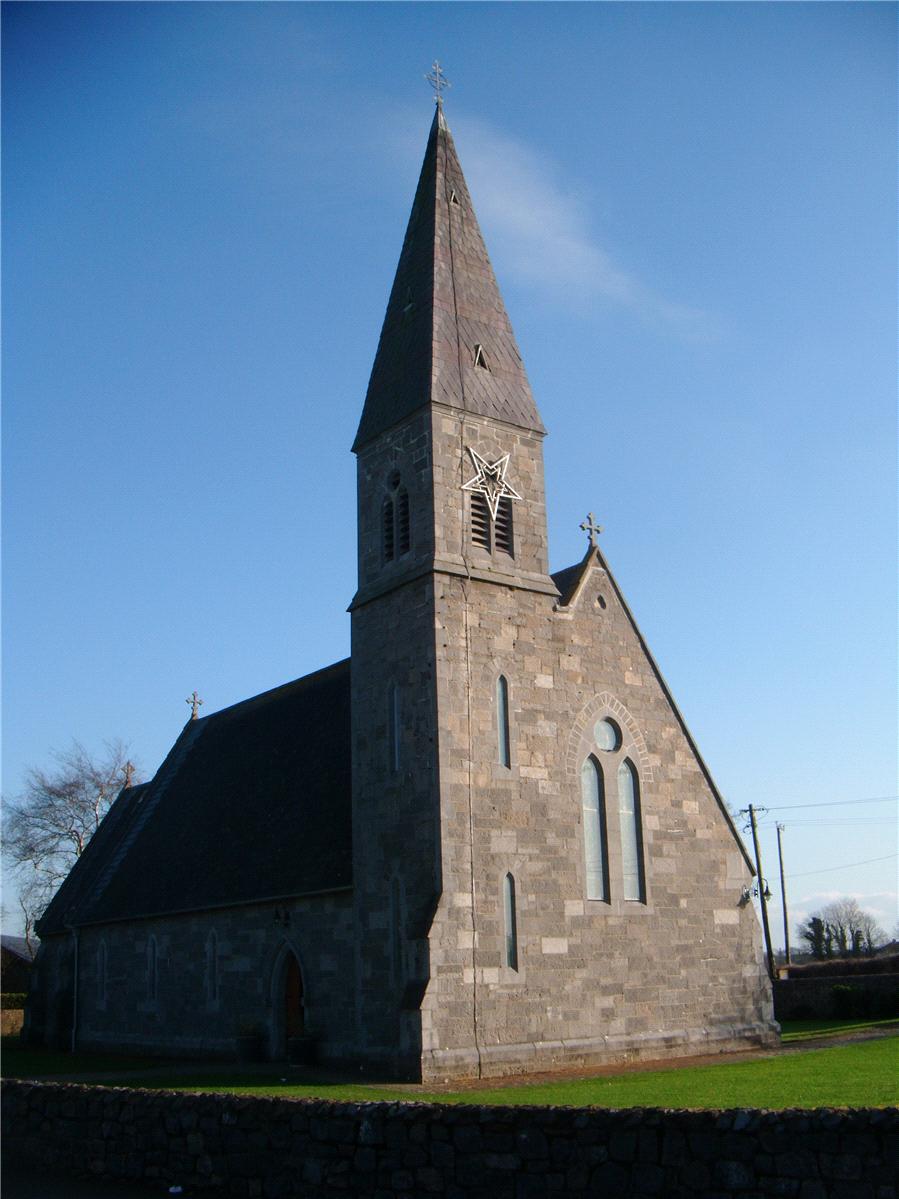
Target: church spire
point(446, 338)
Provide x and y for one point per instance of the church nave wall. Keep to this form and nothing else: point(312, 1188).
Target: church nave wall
point(189, 984)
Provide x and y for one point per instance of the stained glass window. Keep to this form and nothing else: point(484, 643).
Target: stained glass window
point(593, 799)
point(631, 832)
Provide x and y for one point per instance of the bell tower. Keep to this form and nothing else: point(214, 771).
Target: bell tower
point(448, 367)
point(451, 509)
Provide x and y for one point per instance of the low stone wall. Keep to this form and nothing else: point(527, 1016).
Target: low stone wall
point(276, 1147)
point(826, 998)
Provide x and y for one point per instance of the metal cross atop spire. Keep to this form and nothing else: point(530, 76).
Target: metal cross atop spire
point(128, 770)
point(438, 82)
point(194, 701)
point(591, 528)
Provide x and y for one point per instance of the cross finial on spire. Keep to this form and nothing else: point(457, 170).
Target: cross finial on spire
point(438, 82)
point(591, 528)
point(128, 770)
point(194, 701)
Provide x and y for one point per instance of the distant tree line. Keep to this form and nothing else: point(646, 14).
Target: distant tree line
point(841, 929)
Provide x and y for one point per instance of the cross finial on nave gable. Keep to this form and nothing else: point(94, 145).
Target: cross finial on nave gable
point(591, 528)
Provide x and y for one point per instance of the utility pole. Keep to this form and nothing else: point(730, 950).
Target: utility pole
point(783, 892)
point(762, 887)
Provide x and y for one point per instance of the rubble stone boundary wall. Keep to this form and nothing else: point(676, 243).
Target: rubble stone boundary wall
point(279, 1147)
point(814, 997)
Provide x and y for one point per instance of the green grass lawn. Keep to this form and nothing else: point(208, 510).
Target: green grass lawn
point(858, 1075)
point(805, 1030)
point(863, 1075)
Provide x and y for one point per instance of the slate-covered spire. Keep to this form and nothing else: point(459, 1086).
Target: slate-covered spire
point(446, 336)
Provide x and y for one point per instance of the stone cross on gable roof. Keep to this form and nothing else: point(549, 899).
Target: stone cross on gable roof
point(591, 528)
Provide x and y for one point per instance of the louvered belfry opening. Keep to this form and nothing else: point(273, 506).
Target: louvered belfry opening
point(489, 534)
point(387, 538)
point(396, 523)
point(503, 533)
point(480, 522)
point(403, 538)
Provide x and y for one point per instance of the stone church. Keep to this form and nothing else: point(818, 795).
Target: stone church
point(486, 843)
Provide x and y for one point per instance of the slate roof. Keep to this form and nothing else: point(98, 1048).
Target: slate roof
point(252, 803)
point(566, 580)
point(445, 300)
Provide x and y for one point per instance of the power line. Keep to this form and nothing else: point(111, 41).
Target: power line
point(854, 821)
point(845, 866)
point(833, 803)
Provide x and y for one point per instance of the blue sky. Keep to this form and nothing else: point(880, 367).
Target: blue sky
point(691, 212)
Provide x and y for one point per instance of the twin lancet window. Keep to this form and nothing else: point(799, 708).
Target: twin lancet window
point(608, 740)
point(396, 531)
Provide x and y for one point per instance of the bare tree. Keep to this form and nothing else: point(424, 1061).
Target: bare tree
point(48, 826)
point(842, 929)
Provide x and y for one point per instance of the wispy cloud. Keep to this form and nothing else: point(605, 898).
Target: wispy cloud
point(541, 231)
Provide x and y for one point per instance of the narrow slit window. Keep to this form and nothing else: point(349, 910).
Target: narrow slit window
point(503, 531)
point(594, 806)
point(403, 534)
point(502, 721)
point(393, 727)
point(631, 833)
point(480, 359)
point(480, 521)
point(510, 956)
point(387, 536)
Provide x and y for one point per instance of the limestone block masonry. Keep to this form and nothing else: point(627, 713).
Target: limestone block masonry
point(279, 1148)
point(495, 847)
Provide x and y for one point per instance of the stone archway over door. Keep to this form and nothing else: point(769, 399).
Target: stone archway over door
point(294, 1009)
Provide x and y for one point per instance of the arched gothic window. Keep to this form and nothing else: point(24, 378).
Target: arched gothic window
point(504, 745)
point(609, 763)
point(396, 525)
point(510, 923)
point(631, 832)
point(593, 800)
